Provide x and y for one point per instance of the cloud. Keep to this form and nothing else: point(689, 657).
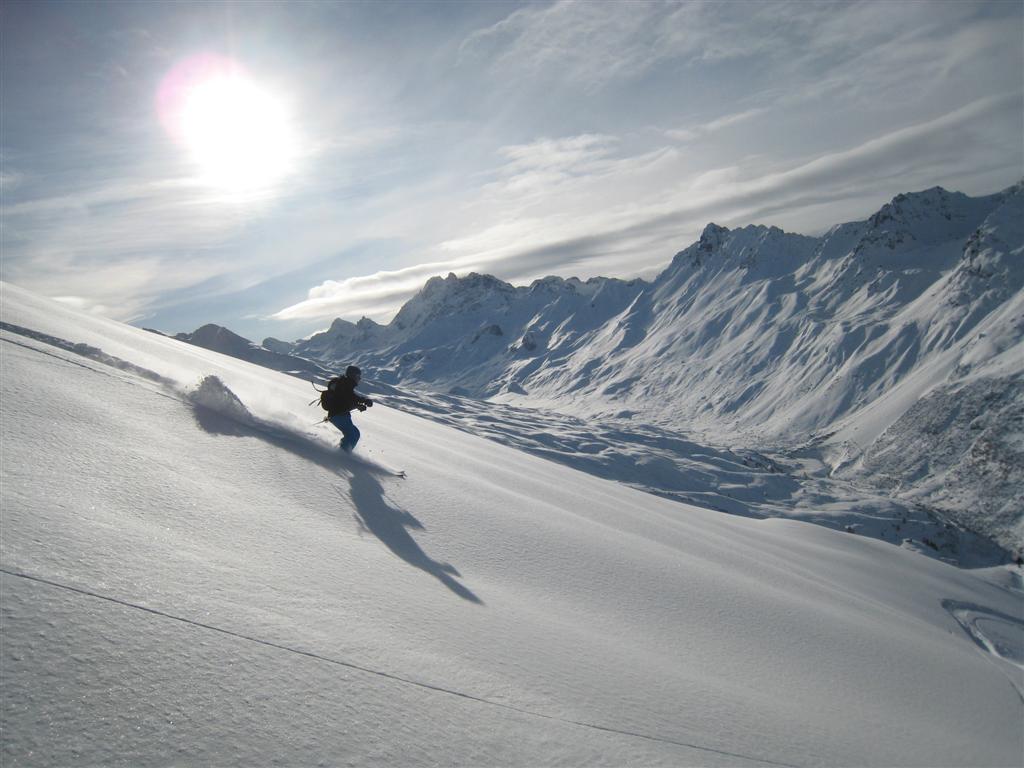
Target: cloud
point(84, 304)
point(541, 166)
point(606, 212)
point(10, 180)
point(563, 154)
point(793, 51)
point(589, 44)
point(596, 45)
point(373, 296)
point(884, 54)
point(725, 121)
point(122, 291)
point(928, 149)
point(120, 241)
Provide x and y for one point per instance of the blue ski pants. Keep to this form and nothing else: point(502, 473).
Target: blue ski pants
point(343, 421)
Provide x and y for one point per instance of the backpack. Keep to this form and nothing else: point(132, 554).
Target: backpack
point(330, 399)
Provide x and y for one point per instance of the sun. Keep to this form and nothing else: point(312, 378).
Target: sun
point(238, 134)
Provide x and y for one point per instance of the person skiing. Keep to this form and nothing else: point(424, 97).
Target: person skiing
point(340, 405)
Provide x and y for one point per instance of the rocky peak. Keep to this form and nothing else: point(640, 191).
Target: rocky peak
point(695, 255)
point(452, 295)
point(922, 218)
point(278, 346)
point(911, 206)
point(455, 284)
point(552, 284)
point(214, 336)
point(711, 238)
point(340, 326)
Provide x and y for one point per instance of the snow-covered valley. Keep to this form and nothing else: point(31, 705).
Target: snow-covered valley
point(735, 480)
point(192, 574)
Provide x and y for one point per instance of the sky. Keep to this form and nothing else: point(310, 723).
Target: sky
point(271, 166)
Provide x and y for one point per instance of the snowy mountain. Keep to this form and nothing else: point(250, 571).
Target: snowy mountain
point(853, 347)
point(269, 355)
point(191, 573)
point(464, 332)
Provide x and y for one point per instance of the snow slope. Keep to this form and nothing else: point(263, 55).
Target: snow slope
point(735, 479)
point(191, 574)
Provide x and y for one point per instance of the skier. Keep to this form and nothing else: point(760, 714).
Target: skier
point(340, 404)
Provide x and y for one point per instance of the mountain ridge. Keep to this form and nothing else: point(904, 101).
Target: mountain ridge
point(782, 339)
point(223, 340)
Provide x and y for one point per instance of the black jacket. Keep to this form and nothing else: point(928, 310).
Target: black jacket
point(346, 398)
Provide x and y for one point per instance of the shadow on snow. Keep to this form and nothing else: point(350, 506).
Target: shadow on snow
point(373, 511)
point(390, 524)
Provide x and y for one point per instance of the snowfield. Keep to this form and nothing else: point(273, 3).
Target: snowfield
point(192, 574)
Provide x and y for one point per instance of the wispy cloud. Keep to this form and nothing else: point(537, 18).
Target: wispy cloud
point(10, 180)
point(121, 241)
point(375, 296)
point(541, 166)
point(566, 154)
point(594, 45)
point(692, 132)
point(859, 49)
point(925, 150)
point(586, 43)
point(626, 222)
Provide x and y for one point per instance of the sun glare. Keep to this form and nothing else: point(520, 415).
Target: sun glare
point(238, 134)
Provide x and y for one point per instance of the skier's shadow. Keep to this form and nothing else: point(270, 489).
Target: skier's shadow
point(375, 514)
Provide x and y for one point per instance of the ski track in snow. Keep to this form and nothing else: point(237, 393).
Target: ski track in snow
point(998, 635)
